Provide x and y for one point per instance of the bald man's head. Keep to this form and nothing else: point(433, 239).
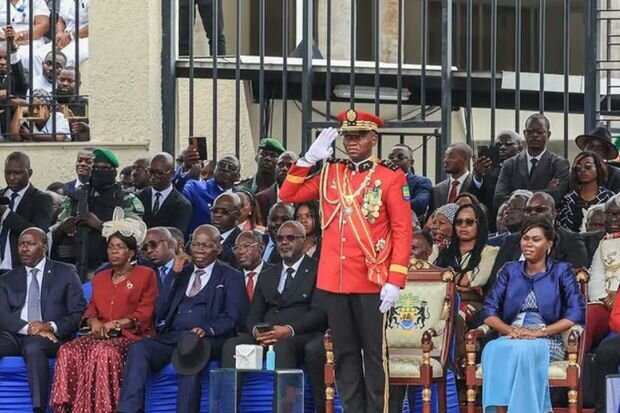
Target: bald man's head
point(227, 171)
point(541, 204)
point(159, 246)
point(456, 159)
point(32, 246)
point(225, 211)
point(205, 245)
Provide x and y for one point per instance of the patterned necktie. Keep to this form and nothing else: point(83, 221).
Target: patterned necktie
point(156, 205)
point(4, 234)
point(34, 297)
point(534, 162)
point(289, 278)
point(197, 285)
point(250, 285)
point(453, 193)
point(163, 271)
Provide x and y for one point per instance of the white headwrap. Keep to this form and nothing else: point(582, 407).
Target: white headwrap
point(127, 227)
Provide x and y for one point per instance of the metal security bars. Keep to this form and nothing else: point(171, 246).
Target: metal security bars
point(42, 44)
point(436, 70)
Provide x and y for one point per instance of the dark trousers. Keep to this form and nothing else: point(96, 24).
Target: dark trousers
point(606, 362)
point(35, 350)
point(290, 353)
point(205, 9)
point(150, 356)
point(357, 328)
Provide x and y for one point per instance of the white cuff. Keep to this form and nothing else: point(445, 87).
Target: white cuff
point(54, 327)
point(304, 163)
point(24, 330)
point(476, 181)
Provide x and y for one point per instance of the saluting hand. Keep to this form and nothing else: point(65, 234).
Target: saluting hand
point(321, 148)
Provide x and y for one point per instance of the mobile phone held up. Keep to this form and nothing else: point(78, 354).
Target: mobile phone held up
point(199, 143)
point(491, 152)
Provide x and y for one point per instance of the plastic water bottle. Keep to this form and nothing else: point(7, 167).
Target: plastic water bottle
point(271, 359)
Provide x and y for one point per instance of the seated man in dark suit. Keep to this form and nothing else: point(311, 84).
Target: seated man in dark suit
point(420, 187)
point(568, 246)
point(224, 217)
point(41, 305)
point(164, 206)
point(536, 168)
point(286, 298)
point(248, 249)
point(278, 214)
point(267, 197)
point(83, 168)
point(208, 299)
point(27, 207)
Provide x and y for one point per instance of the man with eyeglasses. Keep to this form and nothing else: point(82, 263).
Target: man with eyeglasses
point(202, 194)
point(514, 215)
point(420, 187)
point(267, 197)
point(278, 214)
point(287, 302)
point(207, 299)
point(364, 253)
point(84, 213)
point(248, 250)
point(536, 168)
point(568, 246)
point(164, 206)
point(486, 174)
point(224, 217)
point(269, 149)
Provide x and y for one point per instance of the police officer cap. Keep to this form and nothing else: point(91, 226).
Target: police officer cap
point(271, 144)
point(104, 155)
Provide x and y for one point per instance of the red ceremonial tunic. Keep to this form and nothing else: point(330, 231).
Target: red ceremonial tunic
point(343, 265)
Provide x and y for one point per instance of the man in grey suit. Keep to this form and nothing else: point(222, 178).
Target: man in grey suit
point(536, 168)
point(456, 162)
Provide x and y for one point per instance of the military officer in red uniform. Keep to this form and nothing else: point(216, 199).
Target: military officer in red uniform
point(366, 242)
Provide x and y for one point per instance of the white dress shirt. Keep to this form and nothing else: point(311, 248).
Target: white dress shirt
point(530, 157)
point(164, 194)
point(7, 262)
point(283, 274)
point(224, 236)
point(24, 313)
point(461, 179)
point(256, 270)
point(204, 278)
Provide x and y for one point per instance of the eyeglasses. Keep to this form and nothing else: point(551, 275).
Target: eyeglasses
point(227, 167)
point(157, 173)
point(243, 247)
point(289, 238)
point(468, 222)
point(152, 244)
point(539, 209)
point(586, 166)
point(202, 245)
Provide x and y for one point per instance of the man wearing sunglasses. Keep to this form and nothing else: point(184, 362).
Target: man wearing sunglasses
point(164, 206)
point(224, 217)
point(364, 254)
point(286, 299)
point(568, 246)
point(202, 194)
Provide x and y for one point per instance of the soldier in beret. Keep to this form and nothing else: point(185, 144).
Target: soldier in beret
point(102, 194)
point(269, 149)
point(365, 251)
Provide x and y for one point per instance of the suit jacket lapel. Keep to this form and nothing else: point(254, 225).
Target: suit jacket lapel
point(214, 281)
point(22, 288)
point(23, 203)
point(466, 184)
point(297, 280)
point(148, 201)
point(169, 199)
point(443, 191)
point(522, 166)
point(46, 284)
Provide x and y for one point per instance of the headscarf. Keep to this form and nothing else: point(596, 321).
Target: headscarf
point(448, 211)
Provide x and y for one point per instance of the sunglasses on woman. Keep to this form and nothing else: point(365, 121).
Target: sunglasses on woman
point(468, 222)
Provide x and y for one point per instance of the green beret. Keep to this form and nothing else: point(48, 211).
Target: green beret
point(104, 155)
point(271, 144)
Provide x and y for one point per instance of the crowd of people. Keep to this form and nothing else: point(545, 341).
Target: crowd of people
point(187, 261)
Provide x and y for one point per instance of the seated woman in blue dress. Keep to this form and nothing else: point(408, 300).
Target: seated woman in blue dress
point(530, 305)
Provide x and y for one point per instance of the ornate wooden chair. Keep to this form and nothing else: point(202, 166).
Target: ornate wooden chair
point(419, 334)
point(563, 373)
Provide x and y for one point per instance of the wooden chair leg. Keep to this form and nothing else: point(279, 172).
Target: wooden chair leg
point(427, 397)
point(573, 398)
point(442, 396)
point(471, 399)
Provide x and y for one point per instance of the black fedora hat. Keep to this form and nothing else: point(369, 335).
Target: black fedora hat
point(601, 134)
point(191, 354)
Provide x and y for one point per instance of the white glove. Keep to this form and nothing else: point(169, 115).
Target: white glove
point(388, 296)
point(321, 148)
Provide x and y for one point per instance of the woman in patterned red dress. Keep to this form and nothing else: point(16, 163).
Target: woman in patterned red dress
point(89, 369)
